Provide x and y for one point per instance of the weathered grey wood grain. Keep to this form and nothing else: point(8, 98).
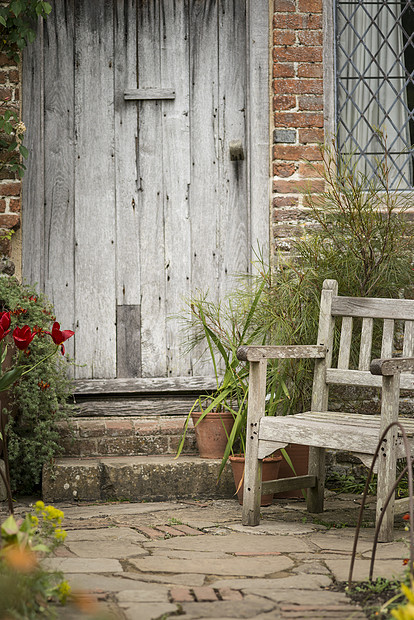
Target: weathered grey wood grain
point(258, 36)
point(288, 484)
point(365, 345)
point(408, 345)
point(345, 343)
point(151, 195)
point(401, 309)
point(234, 241)
point(387, 338)
point(95, 232)
point(175, 60)
point(392, 366)
point(33, 182)
point(144, 406)
point(128, 220)
point(128, 341)
point(362, 378)
point(143, 94)
point(253, 466)
point(387, 460)
point(252, 353)
point(319, 434)
point(102, 387)
point(59, 209)
point(204, 105)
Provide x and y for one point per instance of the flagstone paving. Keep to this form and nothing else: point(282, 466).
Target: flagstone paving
point(195, 560)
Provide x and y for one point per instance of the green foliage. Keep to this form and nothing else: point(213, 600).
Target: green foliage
point(39, 400)
point(361, 237)
point(26, 589)
point(17, 24)
point(17, 29)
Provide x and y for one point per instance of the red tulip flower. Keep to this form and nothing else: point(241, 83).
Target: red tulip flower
point(59, 336)
point(4, 324)
point(22, 337)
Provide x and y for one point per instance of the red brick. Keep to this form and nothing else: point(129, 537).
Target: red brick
point(118, 428)
point(310, 70)
point(91, 428)
point(146, 427)
point(5, 61)
point(284, 102)
point(14, 76)
point(298, 119)
point(227, 594)
point(120, 446)
point(187, 530)
point(3, 77)
point(295, 152)
point(310, 6)
point(10, 189)
point(309, 171)
point(150, 532)
point(5, 93)
point(298, 87)
point(205, 593)
point(311, 102)
point(310, 37)
point(284, 6)
point(297, 21)
point(2, 206)
point(16, 94)
point(311, 135)
point(298, 186)
point(284, 37)
point(283, 69)
point(86, 447)
point(297, 54)
point(167, 529)
point(14, 205)
point(287, 232)
point(181, 595)
point(284, 170)
point(9, 221)
point(289, 215)
point(285, 201)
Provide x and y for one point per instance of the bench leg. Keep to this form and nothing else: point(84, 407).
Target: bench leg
point(315, 495)
point(387, 466)
point(252, 490)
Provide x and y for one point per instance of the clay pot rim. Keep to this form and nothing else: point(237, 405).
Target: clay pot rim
point(224, 414)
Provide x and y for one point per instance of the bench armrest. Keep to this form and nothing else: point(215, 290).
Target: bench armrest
point(391, 365)
point(256, 353)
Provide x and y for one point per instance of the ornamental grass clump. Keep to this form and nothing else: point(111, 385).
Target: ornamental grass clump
point(34, 405)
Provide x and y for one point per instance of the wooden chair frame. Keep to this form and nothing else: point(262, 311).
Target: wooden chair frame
point(321, 429)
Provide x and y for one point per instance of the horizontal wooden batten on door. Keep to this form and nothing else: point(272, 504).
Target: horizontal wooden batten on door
point(140, 94)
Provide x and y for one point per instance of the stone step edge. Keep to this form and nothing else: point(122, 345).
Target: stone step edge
point(136, 478)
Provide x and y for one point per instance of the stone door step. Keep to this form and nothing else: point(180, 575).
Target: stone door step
point(125, 436)
point(136, 478)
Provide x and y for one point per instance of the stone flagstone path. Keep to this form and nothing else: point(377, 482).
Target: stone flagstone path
point(195, 560)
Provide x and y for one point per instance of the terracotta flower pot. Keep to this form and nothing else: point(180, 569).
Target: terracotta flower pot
point(212, 432)
point(270, 471)
point(299, 456)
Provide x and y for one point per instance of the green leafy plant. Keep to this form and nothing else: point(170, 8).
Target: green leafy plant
point(17, 21)
point(26, 588)
point(34, 405)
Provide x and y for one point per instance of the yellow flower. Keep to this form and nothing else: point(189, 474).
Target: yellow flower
point(64, 591)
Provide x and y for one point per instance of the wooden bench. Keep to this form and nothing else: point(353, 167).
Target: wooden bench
point(320, 428)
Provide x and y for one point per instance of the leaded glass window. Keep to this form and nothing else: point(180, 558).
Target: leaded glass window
point(375, 85)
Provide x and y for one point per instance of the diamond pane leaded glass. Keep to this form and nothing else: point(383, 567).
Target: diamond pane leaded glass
point(375, 85)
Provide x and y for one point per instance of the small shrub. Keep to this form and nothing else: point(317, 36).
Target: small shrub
point(40, 399)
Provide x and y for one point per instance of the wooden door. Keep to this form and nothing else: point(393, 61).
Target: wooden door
point(131, 199)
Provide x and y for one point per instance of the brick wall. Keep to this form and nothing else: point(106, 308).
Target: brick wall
point(297, 113)
point(10, 184)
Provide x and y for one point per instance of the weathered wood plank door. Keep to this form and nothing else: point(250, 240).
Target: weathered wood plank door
point(131, 198)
